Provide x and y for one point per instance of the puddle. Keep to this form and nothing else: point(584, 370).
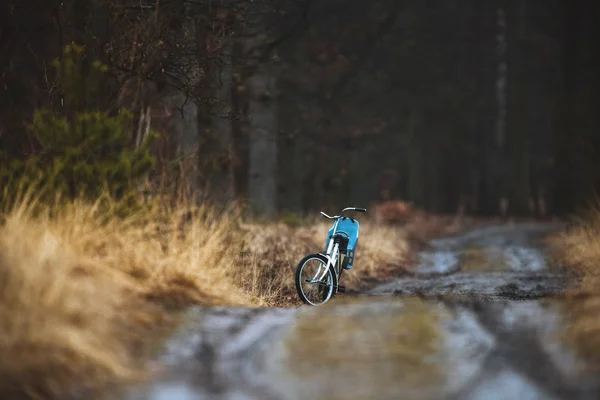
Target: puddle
point(507, 385)
point(373, 349)
point(517, 346)
point(438, 262)
point(217, 354)
point(467, 345)
point(352, 348)
point(500, 235)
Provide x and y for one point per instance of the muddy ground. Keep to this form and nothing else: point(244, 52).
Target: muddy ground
point(480, 318)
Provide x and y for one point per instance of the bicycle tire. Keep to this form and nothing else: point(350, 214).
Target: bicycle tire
point(298, 277)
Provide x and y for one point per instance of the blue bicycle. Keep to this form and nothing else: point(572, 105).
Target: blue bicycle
point(318, 274)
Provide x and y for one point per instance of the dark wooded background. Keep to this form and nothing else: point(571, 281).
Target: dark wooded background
point(300, 105)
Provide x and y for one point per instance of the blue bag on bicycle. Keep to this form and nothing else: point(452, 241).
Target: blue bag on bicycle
point(346, 230)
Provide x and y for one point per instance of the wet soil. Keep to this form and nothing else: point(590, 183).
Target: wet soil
point(480, 318)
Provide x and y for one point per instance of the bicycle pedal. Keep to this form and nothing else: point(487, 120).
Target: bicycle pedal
point(341, 289)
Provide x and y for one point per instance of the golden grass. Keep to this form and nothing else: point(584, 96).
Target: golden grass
point(577, 250)
point(84, 293)
point(79, 292)
point(60, 315)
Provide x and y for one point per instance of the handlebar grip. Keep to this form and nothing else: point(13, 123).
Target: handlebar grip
point(360, 209)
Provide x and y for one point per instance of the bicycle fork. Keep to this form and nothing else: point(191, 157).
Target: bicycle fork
point(332, 259)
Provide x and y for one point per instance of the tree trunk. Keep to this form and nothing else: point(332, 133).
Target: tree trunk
point(221, 183)
point(291, 172)
point(494, 186)
point(184, 119)
point(564, 134)
point(521, 96)
point(262, 114)
point(499, 143)
point(415, 156)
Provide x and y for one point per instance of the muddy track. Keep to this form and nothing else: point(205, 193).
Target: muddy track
point(509, 285)
point(520, 350)
point(484, 330)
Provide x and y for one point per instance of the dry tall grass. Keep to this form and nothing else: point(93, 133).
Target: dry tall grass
point(79, 291)
point(59, 314)
point(577, 250)
point(271, 252)
point(82, 289)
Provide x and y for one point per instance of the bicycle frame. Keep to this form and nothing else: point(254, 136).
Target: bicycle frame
point(348, 227)
point(333, 255)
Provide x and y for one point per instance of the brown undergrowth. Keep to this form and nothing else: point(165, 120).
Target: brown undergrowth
point(576, 250)
point(271, 252)
point(86, 292)
point(83, 292)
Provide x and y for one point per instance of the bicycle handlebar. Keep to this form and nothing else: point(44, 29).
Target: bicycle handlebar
point(359, 209)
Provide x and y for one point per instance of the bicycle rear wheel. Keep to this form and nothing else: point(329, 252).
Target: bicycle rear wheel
point(315, 283)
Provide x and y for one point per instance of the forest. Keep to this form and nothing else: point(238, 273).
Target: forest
point(302, 105)
point(163, 163)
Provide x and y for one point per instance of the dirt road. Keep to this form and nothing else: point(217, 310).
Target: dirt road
point(477, 321)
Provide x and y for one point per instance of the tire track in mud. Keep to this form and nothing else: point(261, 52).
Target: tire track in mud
point(517, 350)
point(493, 262)
point(519, 357)
point(218, 353)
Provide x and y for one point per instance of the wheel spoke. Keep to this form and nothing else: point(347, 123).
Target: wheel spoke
point(315, 281)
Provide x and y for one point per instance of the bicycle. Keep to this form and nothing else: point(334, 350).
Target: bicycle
point(342, 238)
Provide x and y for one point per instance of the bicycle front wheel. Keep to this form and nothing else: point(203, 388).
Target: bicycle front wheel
point(315, 282)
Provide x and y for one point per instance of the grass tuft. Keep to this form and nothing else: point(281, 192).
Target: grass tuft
point(577, 251)
point(80, 291)
point(60, 315)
